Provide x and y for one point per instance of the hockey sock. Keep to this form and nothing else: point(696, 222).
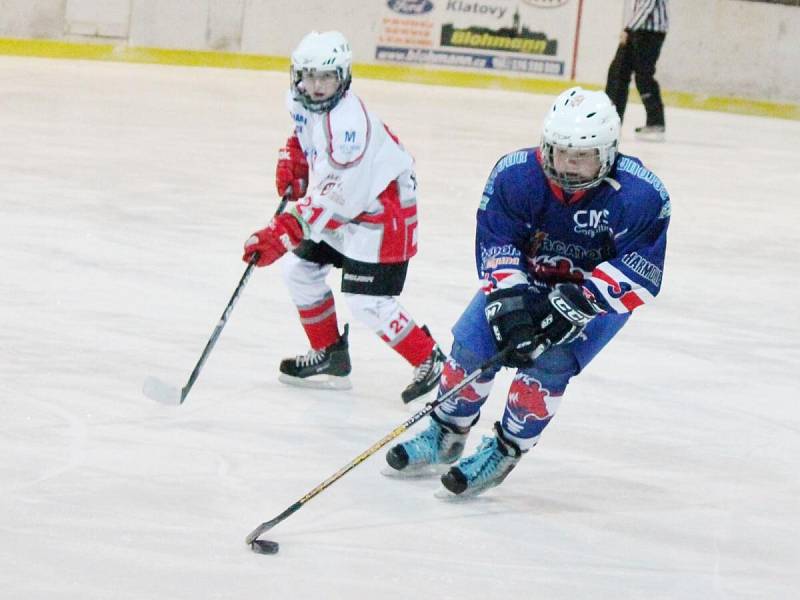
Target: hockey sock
point(463, 408)
point(529, 408)
point(413, 344)
point(319, 321)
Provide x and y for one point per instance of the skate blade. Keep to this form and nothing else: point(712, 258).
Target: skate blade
point(446, 495)
point(162, 392)
point(415, 404)
point(420, 472)
point(320, 382)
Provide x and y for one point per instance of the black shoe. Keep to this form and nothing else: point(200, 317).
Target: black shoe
point(426, 376)
point(327, 368)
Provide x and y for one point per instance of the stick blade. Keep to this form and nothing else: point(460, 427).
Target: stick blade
point(162, 392)
point(253, 536)
point(264, 547)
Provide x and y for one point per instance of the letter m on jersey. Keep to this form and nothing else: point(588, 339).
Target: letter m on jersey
point(349, 136)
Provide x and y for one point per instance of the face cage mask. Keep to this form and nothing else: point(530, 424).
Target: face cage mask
point(322, 106)
point(572, 183)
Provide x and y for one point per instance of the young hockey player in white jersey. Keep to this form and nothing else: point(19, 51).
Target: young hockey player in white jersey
point(355, 208)
point(570, 239)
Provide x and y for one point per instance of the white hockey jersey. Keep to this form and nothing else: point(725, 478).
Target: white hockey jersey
point(361, 197)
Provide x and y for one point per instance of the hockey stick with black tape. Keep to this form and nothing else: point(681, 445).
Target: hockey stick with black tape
point(165, 393)
point(271, 547)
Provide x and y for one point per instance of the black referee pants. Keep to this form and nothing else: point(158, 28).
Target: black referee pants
point(637, 56)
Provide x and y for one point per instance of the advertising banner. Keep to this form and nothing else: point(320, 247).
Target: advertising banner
point(534, 37)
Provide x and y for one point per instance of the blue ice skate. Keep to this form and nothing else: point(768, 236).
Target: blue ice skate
point(489, 466)
point(440, 444)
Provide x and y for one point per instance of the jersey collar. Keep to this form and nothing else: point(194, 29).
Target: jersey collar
point(564, 197)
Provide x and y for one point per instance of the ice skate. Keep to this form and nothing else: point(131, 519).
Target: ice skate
point(429, 452)
point(487, 467)
point(323, 369)
point(651, 133)
point(426, 376)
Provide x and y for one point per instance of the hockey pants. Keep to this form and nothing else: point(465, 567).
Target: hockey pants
point(535, 392)
point(382, 314)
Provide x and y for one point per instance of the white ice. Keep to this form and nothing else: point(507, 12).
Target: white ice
point(126, 191)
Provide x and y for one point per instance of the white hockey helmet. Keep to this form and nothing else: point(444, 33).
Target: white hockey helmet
point(318, 52)
point(583, 120)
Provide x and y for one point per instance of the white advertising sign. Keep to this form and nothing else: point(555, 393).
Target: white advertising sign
point(536, 37)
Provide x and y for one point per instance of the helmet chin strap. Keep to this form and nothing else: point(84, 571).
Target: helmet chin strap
point(303, 96)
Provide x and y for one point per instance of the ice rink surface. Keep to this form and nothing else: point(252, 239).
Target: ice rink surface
point(126, 191)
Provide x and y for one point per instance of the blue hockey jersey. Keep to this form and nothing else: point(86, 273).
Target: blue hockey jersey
point(611, 238)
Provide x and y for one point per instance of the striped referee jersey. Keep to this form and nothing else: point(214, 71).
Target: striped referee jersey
point(649, 15)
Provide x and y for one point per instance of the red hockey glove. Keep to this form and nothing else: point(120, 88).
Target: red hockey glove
point(292, 169)
point(284, 233)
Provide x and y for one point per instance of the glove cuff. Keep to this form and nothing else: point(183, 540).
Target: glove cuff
point(498, 308)
point(574, 303)
point(292, 210)
point(503, 301)
point(291, 230)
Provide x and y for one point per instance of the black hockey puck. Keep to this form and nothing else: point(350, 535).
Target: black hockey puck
point(264, 547)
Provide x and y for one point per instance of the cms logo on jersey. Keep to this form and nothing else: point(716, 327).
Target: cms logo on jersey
point(410, 7)
point(590, 222)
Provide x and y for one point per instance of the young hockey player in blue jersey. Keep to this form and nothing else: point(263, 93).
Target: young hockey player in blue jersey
point(570, 240)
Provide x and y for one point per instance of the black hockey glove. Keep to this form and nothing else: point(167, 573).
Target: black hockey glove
point(512, 325)
point(561, 317)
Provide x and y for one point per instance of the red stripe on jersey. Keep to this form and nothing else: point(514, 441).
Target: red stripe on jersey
point(333, 224)
point(607, 278)
point(307, 211)
point(391, 134)
point(500, 276)
point(398, 243)
point(631, 300)
point(394, 242)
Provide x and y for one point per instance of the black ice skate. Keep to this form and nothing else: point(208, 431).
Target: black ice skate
point(324, 369)
point(426, 376)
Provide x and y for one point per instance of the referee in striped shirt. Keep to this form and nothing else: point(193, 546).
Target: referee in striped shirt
point(639, 47)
